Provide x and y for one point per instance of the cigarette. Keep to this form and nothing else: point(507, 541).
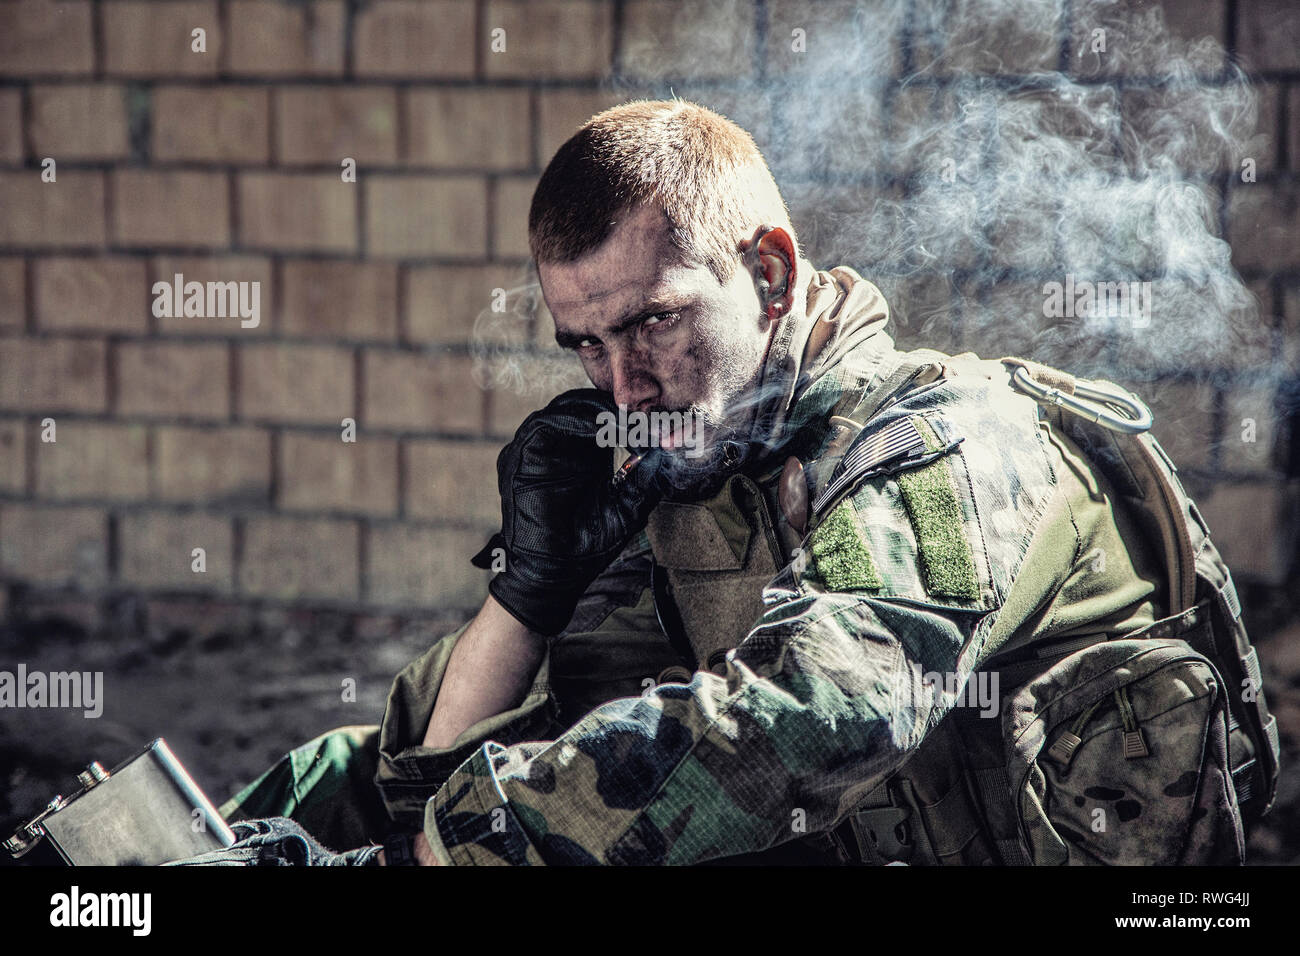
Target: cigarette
point(625, 469)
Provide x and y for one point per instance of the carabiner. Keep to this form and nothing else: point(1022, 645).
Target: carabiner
point(1117, 410)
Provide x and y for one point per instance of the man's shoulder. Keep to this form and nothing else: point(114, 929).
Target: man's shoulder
point(945, 486)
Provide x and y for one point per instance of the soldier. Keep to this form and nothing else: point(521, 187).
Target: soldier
point(777, 650)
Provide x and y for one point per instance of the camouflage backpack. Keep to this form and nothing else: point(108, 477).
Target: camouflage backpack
point(1168, 723)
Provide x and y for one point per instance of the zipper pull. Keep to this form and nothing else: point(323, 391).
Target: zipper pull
point(1135, 745)
point(1063, 748)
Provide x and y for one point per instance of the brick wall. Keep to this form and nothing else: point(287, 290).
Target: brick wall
point(175, 433)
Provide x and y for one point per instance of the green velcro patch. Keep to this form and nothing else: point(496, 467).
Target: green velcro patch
point(947, 562)
point(840, 554)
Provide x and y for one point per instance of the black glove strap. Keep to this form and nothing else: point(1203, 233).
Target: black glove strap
point(399, 850)
point(485, 557)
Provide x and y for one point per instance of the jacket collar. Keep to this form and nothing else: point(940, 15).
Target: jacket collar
point(843, 312)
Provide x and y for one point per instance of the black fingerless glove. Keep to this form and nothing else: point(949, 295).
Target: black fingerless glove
point(278, 841)
point(564, 515)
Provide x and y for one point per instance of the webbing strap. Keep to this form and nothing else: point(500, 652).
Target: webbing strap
point(949, 822)
point(1012, 853)
point(1043, 374)
point(995, 794)
point(1270, 731)
point(893, 383)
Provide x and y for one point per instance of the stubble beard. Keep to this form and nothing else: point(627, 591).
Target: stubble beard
point(724, 420)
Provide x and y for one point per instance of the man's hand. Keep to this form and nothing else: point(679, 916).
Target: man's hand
point(563, 517)
point(278, 841)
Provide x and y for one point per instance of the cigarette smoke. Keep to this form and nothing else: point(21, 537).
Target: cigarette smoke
point(963, 153)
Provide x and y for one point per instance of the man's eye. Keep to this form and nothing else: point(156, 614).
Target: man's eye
point(588, 345)
point(661, 321)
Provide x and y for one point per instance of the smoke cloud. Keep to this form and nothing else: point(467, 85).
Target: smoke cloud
point(965, 154)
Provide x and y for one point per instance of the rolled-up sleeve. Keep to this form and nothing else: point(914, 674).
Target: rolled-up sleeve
point(823, 699)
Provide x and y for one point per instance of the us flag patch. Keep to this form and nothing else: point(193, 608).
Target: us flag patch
point(900, 440)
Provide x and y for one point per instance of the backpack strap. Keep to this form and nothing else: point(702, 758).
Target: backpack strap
point(891, 381)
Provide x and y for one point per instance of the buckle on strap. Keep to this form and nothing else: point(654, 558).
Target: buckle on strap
point(1111, 408)
point(885, 829)
point(883, 834)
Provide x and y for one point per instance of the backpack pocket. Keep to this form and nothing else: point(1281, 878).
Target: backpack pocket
point(1118, 755)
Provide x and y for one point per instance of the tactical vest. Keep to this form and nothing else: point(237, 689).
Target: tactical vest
point(1079, 719)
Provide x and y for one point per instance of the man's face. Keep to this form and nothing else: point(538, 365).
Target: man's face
point(661, 334)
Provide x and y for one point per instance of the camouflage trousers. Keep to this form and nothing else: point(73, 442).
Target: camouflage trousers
point(327, 786)
point(354, 785)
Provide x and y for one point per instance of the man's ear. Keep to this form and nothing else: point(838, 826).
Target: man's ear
point(771, 259)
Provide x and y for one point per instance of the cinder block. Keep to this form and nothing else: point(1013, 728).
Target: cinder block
point(13, 457)
point(296, 383)
point(421, 391)
point(79, 121)
point(453, 482)
point(1261, 225)
point(222, 124)
point(212, 465)
point(1266, 35)
point(54, 545)
point(272, 38)
point(157, 39)
point(416, 38)
point(1183, 421)
point(343, 300)
point(217, 269)
point(11, 126)
point(300, 558)
point(13, 294)
point(104, 293)
point(284, 212)
point(46, 38)
point(169, 380)
point(412, 566)
point(514, 197)
point(549, 39)
point(325, 473)
point(412, 216)
point(172, 208)
point(834, 39)
point(1251, 430)
point(324, 124)
point(67, 213)
point(52, 375)
point(1252, 524)
point(90, 460)
point(443, 302)
point(469, 128)
point(158, 551)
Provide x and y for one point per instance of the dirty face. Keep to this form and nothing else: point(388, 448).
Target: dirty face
point(662, 334)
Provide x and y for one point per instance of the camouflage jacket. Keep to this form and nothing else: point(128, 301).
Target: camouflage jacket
point(624, 751)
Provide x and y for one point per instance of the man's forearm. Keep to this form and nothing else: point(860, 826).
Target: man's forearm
point(490, 671)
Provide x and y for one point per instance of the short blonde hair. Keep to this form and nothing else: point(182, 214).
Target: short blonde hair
point(702, 170)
